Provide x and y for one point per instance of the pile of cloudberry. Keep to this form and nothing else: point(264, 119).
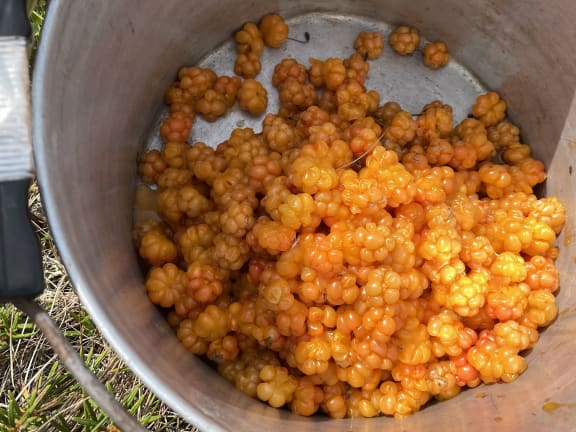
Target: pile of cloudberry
point(351, 258)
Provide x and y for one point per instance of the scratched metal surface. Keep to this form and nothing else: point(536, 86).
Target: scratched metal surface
point(99, 77)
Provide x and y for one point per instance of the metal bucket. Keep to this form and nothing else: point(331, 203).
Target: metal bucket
point(99, 79)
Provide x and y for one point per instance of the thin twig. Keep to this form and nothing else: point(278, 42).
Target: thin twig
point(305, 41)
point(366, 153)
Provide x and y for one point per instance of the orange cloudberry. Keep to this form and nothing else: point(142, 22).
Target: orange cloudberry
point(469, 127)
point(467, 295)
point(333, 72)
point(404, 40)
point(464, 156)
point(277, 386)
point(387, 111)
point(508, 267)
point(187, 335)
point(541, 273)
point(402, 128)
point(369, 44)
point(360, 376)
point(357, 68)
point(413, 341)
point(176, 127)
point(312, 356)
point(166, 284)
point(384, 282)
point(274, 30)
point(237, 219)
point(212, 105)
point(435, 122)
point(204, 163)
point(316, 72)
point(415, 159)
point(489, 108)
point(504, 134)
point(295, 96)
point(507, 302)
point(516, 153)
point(400, 402)
point(186, 108)
point(354, 102)
point(342, 289)
point(312, 116)
point(252, 97)
point(515, 335)
point(229, 252)
point(228, 87)
point(541, 309)
point(224, 349)
point(195, 241)
point(287, 69)
point(151, 165)
point(205, 282)
point(441, 380)
point(277, 292)
point(496, 178)
point(495, 362)
point(212, 323)
point(174, 154)
point(543, 237)
point(550, 211)
point(157, 249)
point(247, 65)
point(278, 134)
point(307, 397)
point(144, 226)
point(276, 193)
point(271, 236)
point(320, 254)
point(240, 149)
point(249, 39)
point(175, 95)
point(319, 319)
point(440, 243)
point(357, 126)
point(195, 80)
point(263, 169)
point(465, 373)
point(410, 376)
point(174, 178)
point(292, 320)
point(449, 335)
point(436, 55)
point(191, 202)
point(297, 210)
point(477, 251)
point(313, 175)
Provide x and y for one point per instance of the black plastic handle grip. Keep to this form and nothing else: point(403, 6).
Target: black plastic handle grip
point(13, 18)
point(20, 259)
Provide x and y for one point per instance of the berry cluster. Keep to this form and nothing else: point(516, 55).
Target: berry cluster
point(351, 258)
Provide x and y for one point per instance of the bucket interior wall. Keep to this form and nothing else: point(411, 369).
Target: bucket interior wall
point(99, 81)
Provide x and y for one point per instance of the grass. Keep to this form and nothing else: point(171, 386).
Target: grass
point(36, 392)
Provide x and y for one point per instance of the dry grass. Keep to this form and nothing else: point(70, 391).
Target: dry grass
point(36, 392)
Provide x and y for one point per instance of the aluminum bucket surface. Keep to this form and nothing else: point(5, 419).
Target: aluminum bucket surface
point(100, 76)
